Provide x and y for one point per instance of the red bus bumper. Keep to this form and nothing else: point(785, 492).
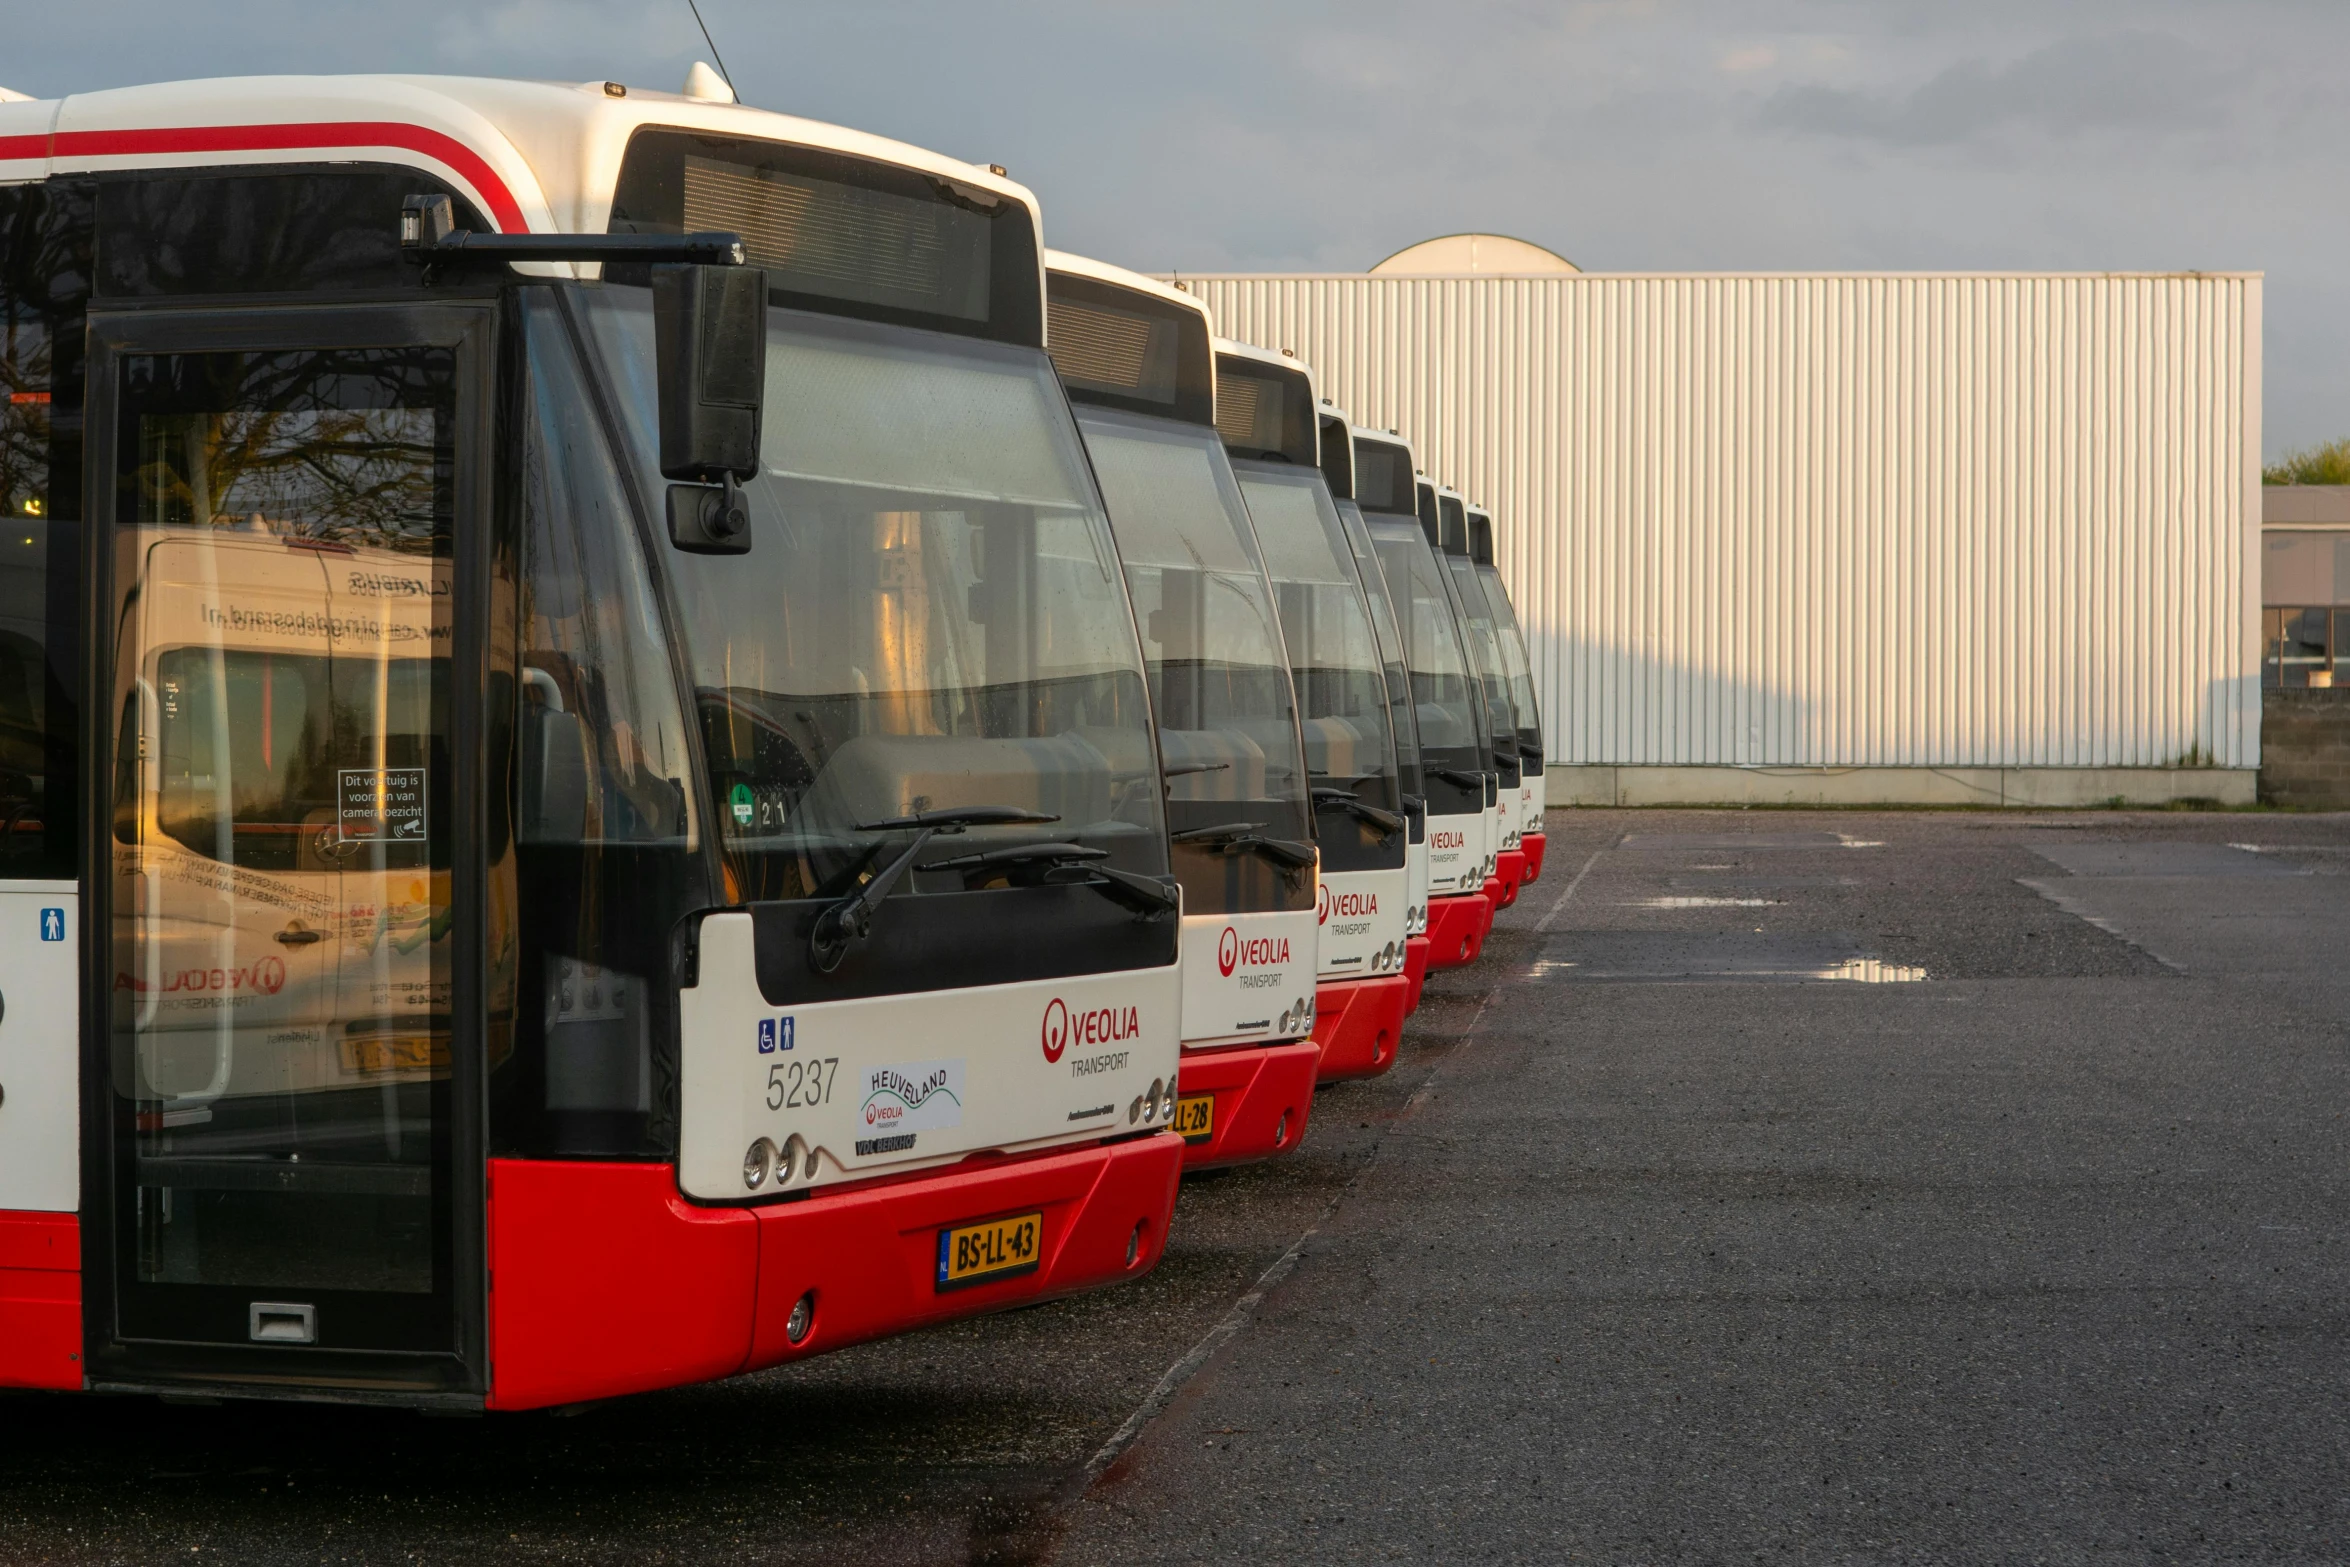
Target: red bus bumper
point(1531, 845)
point(605, 1281)
point(1415, 970)
point(1456, 929)
point(40, 1300)
point(1509, 870)
point(1358, 1023)
point(1262, 1094)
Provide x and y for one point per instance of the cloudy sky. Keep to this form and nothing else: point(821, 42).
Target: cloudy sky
point(1634, 135)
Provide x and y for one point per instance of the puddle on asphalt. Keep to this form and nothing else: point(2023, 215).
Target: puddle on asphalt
point(1692, 841)
point(1714, 884)
point(2292, 848)
point(1670, 957)
point(1873, 971)
point(2184, 859)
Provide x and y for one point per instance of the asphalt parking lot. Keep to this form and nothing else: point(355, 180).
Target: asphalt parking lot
point(1799, 1185)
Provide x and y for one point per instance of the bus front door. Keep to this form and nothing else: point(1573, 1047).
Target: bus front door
point(278, 1187)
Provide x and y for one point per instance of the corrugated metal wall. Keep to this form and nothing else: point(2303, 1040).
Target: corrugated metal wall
point(1989, 521)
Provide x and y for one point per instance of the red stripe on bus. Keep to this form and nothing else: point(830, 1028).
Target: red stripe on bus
point(23, 147)
point(471, 166)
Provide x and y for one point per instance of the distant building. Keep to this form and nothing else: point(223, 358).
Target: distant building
point(1475, 255)
point(2304, 583)
point(1862, 537)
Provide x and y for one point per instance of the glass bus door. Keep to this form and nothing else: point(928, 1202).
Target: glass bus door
point(283, 836)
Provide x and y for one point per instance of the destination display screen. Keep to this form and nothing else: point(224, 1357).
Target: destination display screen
point(843, 235)
point(1266, 410)
point(1383, 477)
point(1125, 349)
point(1338, 457)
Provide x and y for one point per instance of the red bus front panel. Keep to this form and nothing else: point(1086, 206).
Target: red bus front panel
point(40, 1300)
point(1456, 929)
point(1358, 1023)
point(1259, 1100)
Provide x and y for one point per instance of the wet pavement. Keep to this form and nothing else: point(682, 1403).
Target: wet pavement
point(1801, 1185)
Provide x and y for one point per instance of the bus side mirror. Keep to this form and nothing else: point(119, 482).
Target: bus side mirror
point(710, 357)
point(554, 776)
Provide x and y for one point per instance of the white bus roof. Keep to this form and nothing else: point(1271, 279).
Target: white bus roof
point(1365, 433)
point(536, 157)
point(1271, 356)
point(1119, 277)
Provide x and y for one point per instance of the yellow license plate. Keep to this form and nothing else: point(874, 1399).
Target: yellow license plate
point(378, 1055)
point(995, 1249)
point(1195, 1117)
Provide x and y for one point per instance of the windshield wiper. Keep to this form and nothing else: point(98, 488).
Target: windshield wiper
point(1063, 864)
point(949, 818)
point(851, 919)
point(1459, 779)
point(1175, 770)
point(1328, 799)
point(1287, 853)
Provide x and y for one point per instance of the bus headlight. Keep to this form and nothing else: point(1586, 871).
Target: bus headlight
point(1167, 1102)
point(1150, 1100)
point(758, 1164)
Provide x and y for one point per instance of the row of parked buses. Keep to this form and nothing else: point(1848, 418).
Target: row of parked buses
point(637, 740)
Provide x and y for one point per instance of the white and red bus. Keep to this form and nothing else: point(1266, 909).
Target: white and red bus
point(580, 805)
point(1455, 761)
point(1338, 470)
point(1268, 413)
point(1532, 794)
point(1508, 866)
point(1136, 358)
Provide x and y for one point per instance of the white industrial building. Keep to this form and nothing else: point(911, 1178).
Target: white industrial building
point(1956, 538)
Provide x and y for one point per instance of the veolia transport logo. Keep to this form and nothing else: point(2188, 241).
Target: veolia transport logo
point(1322, 903)
point(1056, 1029)
point(1227, 951)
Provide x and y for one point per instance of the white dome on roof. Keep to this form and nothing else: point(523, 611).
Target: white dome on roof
point(1475, 254)
point(706, 84)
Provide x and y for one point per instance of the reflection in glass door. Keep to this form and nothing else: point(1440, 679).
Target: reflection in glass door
point(281, 1016)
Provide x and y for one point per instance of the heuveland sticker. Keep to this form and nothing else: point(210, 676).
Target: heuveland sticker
point(911, 1096)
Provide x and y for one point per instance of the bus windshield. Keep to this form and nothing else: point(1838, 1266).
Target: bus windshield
point(1211, 643)
point(1445, 701)
point(1515, 660)
point(1485, 649)
point(1334, 657)
point(1391, 653)
point(930, 615)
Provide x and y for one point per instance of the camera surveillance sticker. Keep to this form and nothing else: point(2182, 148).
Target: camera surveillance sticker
point(379, 806)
